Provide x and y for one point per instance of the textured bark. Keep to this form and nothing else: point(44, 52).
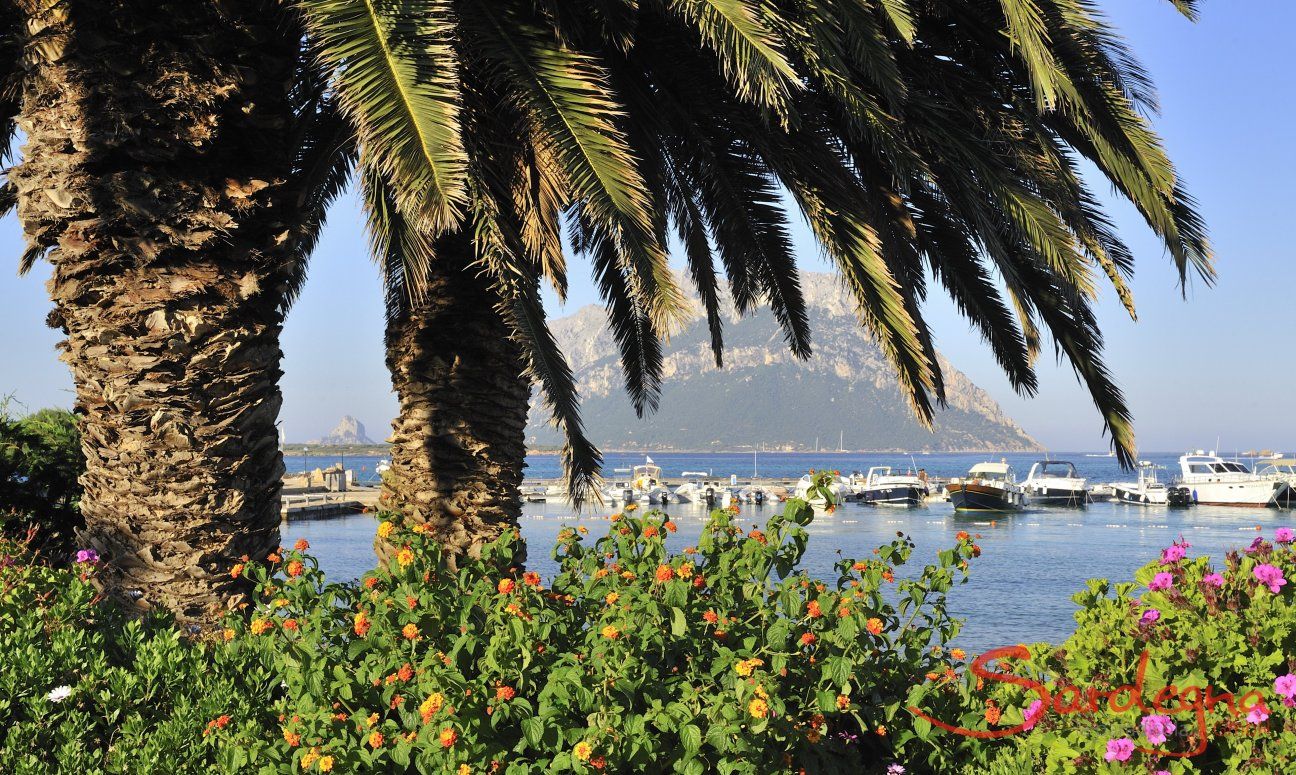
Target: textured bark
point(457, 446)
point(154, 171)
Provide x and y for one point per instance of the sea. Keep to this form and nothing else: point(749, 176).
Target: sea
point(1020, 588)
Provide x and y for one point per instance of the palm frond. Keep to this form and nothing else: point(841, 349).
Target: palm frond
point(395, 72)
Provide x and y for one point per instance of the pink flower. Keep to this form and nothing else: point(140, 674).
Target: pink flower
point(1285, 685)
point(1284, 535)
point(1259, 714)
point(1161, 772)
point(87, 556)
point(1149, 616)
point(1270, 576)
point(1161, 581)
point(1214, 579)
point(1157, 728)
point(1120, 749)
point(1033, 713)
point(1173, 553)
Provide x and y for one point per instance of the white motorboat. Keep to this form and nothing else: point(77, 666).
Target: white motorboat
point(1214, 481)
point(643, 486)
point(838, 488)
point(1055, 483)
point(704, 489)
point(883, 488)
point(1147, 491)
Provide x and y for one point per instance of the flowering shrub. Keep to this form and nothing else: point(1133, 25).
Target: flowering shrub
point(1208, 654)
point(84, 688)
point(721, 658)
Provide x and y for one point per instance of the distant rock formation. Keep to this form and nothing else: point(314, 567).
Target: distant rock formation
point(348, 431)
point(764, 396)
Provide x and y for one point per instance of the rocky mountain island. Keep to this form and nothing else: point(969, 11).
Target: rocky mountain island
point(349, 431)
point(766, 397)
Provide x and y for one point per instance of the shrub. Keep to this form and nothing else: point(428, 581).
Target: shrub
point(40, 464)
point(1230, 628)
point(722, 658)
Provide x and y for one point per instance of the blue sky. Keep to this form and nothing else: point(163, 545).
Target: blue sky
point(1218, 364)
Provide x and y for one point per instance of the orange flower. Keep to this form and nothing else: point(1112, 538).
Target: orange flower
point(699, 581)
point(757, 536)
point(290, 624)
point(236, 571)
point(881, 730)
point(612, 597)
point(448, 737)
point(375, 739)
point(962, 535)
point(292, 738)
point(650, 531)
point(992, 713)
point(710, 617)
point(228, 633)
point(670, 526)
point(370, 582)
point(531, 578)
point(758, 708)
point(431, 705)
point(807, 638)
point(410, 631)
point(887, 576)
point(958, 653)
point(859, 566)
point(295, 568)
point(272, 557)
point(665, 573)
point(301, 545)
point(260, 626)
point(505, 693)
point(843, 702)
point(874, 625)
point(598, 762)
point(932, 676)
point(361, 624)
point(406, 672)
point(405, 556)
point(610, 632)
point(976, 550)
point(814, 610)
point(505, 586)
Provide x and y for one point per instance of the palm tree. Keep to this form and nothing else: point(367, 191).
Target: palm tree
point(178, 194)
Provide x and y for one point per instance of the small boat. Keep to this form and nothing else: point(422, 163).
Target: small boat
point(987, 487)
point(1055, 483)
point(643, 486)
point(706, 490)
point(1147, 491)
point(1214, 481)
point(883, 488)
point(837, 487)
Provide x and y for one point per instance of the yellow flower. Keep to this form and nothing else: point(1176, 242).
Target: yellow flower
point(958, 653)
point(385, 529)
point(612, 597)
point(410, 631)
point(326, 764)
point(229, 634)
point(431, 705)
point(843, 702)
point(758, 708)
point(405, 556)
point(309, 759)
point(582, 751)
point(464, 770)
point(260, 625)
point(630, 507)
point(610, 632)
point(280, 602)
point(746, 666)
point(684, 571)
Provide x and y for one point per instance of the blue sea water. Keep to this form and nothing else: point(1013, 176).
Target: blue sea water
point(1020, 588)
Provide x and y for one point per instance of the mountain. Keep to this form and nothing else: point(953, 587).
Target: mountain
point(349, 430)
point(764, 395)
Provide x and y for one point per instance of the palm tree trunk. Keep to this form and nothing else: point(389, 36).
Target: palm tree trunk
point(154, 173)
point(457, 445)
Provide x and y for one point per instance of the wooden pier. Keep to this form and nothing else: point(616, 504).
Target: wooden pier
point(297, 504)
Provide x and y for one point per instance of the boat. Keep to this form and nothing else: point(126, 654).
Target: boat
point(1214, 481)
point(1147, 491)
point(1055, 483)
point(643, 486)
point(1104, 454)
point(838, 488)
point(703, 489)
point(987, 487)
point(883, 488)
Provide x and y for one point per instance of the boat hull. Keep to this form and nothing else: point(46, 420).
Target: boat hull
point(898, 495)
point(1240, 494)
point(980, 497)
point(1138, 498)
point(1058, 496)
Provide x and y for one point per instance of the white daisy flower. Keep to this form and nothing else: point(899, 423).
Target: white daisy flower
point(59, 693)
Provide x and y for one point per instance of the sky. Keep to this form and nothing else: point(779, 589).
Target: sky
point(1212, 367)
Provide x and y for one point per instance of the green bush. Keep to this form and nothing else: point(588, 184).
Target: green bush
point(1230, 628)
point(40, 464)
point(721, 658)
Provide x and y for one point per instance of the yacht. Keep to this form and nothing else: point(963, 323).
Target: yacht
point(643, 486)
point(1214, 481)
point(883, 488)
point(1055, 483)
point(1147, 491)
point(704, 489)
point(987, 487)
point(837, 487)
